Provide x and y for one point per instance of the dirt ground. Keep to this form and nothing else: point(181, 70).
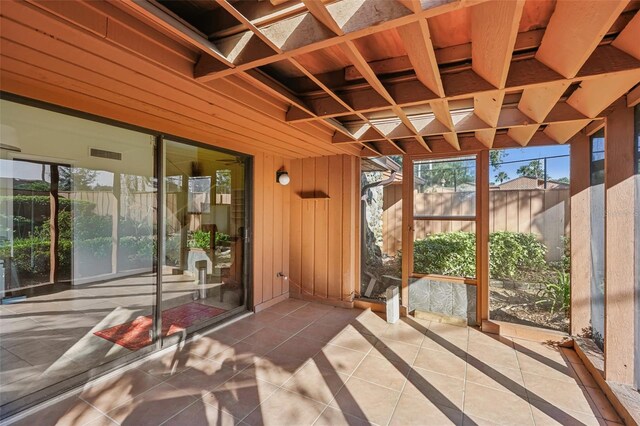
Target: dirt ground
point(519, 306)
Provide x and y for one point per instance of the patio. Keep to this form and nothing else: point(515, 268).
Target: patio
point(302, 363)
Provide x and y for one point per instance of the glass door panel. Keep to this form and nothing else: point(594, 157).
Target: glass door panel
point(204, 229)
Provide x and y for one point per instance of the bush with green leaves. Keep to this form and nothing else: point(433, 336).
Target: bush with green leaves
point(511, 253)
point(451, 253)
point(454, 253)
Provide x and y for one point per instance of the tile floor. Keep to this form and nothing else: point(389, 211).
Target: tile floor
point(49, 338)
point(300, 363)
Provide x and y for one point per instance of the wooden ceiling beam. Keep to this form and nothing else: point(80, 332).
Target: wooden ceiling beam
point(573, 33)
point(627, 40)
point(178, 29)
point(321, 13)
point(417, 42)
point(248, 24)
point(494, 29)
point(303, 33)
point(562, 132)
point(529, 75)
point(593, 96)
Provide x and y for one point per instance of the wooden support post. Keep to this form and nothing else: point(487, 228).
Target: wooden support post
point(54, 226)
point(580, 235)
point(482, 236)
point(407, 227)
point(620, 267)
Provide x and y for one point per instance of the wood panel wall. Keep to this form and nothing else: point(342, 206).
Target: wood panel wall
point(324, 228)
point(271, 212)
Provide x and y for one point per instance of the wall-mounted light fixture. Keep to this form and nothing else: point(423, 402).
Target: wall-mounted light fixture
point(282, 177)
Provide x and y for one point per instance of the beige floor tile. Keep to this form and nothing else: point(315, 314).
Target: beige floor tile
point(201, 414)
point(333, 417)
point(286, 307)
point(533, 364)
point(402, 332)
point(559, 393)
point(171, 363)
point(210, 345)
point(495, 354)
point(324, 332)
point(496, 377)
point(395, 351)
point(268, 337)
point(420, 411)
point(549, 415)
point(201, 380)
point(353, 340)
point(68, 412)
point(310, 313)
point(312, 382)
point(240, 395)
point(505, 408)
point(339, 359)
point(366, 401)
point(275, 369)
point(441, 362)
point(370, 323)
point(436, 388)
point(299, 348)
point(290, 324)
point(112, 392)
point(154, 406)
point(286, 408)
point(448, 331)
point(436, 343)
point(382, 372)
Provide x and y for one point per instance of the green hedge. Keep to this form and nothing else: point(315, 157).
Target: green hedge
point(453, 253)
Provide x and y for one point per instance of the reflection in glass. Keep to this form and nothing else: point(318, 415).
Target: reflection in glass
point(204, 236)
point(77, 203)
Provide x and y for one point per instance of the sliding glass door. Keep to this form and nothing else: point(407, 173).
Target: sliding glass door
point(203, 270)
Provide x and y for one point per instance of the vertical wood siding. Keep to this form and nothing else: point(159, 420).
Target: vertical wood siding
point(324, 228)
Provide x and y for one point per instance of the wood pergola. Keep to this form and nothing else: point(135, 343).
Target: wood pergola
point(412, 77)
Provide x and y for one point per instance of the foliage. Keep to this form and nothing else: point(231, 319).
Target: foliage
point(512, 253)
point(199, 239)
point(501, 177)
point(222, 238)
point(496, 157)
point(446, 254)
point(27, 201)
point(534, 170)
point(557, 294)
point(447, 173)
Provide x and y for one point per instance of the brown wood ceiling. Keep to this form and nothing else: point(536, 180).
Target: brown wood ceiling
point(411, 76)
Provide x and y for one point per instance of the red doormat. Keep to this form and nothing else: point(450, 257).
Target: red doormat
point(134, 335)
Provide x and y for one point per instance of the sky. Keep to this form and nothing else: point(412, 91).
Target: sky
point(556, 167)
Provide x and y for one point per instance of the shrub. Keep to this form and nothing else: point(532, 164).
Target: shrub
point(453, 253)
point(514, 252)
point(446, 254)
point(199, 239)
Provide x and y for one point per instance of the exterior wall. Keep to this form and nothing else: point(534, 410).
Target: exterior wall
point(324, 228)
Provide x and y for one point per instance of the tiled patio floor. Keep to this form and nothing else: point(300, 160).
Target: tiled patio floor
point(301, 363)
